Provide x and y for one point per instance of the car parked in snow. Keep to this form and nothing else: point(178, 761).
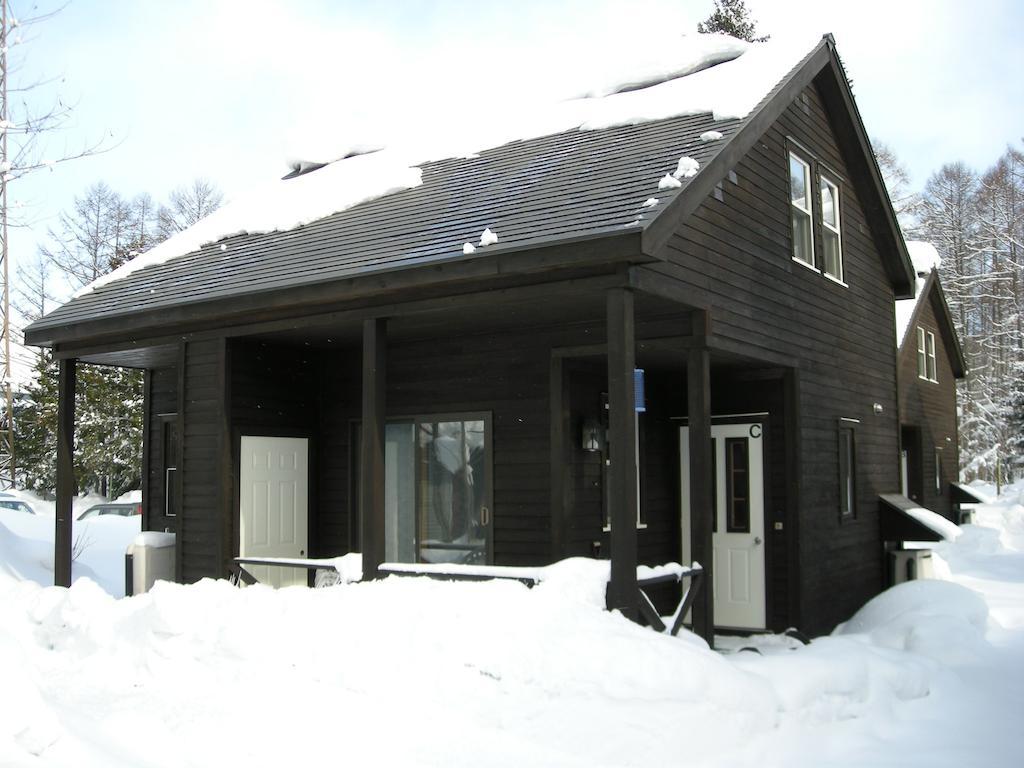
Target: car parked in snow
point(16, 504)
point(124, 509)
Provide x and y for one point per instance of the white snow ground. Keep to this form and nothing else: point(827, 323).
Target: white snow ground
point(413, 672)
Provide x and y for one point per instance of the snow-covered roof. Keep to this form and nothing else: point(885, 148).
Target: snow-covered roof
point(694, 74)
point(935, 522)
point(925, 258)
point(598, 167)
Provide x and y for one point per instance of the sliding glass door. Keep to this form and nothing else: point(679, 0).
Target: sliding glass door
point(438, 489)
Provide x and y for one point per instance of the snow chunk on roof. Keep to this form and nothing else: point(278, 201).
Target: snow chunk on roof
point(925, 258)
point(487, 237)
point(710, 136)
point(687, 167)
point(668, 182)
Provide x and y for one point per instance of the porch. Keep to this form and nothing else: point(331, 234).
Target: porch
point(526, 390)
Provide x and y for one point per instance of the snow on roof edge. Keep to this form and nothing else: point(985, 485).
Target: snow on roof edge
point(935, 523)
point(925, 258)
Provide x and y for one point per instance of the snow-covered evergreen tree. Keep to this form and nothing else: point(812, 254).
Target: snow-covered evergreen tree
point(731, 17)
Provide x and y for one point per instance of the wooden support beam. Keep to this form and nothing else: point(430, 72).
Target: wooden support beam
point(698, 375)
point(371, 502)
point(623, 593)
point(65, 473)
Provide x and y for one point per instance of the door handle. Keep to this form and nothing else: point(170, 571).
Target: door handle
point(485, 516)
point(757, 541)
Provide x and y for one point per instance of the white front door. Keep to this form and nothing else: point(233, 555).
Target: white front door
point(738, 538)
point(273, 513)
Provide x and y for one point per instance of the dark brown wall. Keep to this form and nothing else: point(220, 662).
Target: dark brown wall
point(505, 375)
point(163, 403)
point(739, 249)
point(204, 522)
point(930, 408)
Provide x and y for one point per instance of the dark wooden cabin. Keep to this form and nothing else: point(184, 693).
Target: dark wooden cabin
point(931, 362)
point(435, 406)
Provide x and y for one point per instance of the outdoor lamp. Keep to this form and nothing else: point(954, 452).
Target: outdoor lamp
point(591, 435)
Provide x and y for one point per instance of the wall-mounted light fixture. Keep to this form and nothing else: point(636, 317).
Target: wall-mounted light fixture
point(591, 435)
point(877, 408)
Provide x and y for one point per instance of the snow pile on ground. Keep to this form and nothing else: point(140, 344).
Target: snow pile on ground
point(410, 671)
point(723, 76)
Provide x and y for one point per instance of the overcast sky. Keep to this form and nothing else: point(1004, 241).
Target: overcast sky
point(220, 88)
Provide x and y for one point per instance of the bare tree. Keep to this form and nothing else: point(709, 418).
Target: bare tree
point(905, 202)
point(88, 241)
point(187, 205)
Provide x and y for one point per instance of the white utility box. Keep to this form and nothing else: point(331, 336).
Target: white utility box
point(152, 559)
point(911, 564)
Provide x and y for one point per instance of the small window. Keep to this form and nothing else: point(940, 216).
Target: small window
point(800, 197)
point(847, 471)
point(831, 245)
point(922, 355)
point(737, 485)
point(169, 444)
point(930, 353)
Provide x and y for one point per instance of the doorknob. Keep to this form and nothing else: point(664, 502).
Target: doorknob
point(757, 541)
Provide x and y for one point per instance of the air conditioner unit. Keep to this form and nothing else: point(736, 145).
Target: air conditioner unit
point(910, 564)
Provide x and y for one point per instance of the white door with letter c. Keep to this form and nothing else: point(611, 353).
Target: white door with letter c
point(739, 550)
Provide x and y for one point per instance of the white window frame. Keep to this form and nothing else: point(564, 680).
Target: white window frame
point(922, 358)
point(808, 212)
point(828, 228)
point(932, 368)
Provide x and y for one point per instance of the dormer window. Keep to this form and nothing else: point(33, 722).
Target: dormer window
point(831, 246)
point(800, 209)
point(926, 355)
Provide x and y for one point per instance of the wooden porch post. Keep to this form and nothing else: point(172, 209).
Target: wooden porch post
point(371, 500)
point(623, 592)
point(65, 473)
point(698, 375)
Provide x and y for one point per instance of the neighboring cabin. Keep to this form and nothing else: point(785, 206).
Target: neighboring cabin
point(930, 363)
point(360, 383)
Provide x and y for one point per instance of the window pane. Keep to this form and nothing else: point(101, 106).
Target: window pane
point(399, 493)
point(932, 375)
point(802, 237)
point(846, 471)
point(922, 365)
point(829, 204)
point(451, 492)
point(831, 255)
point(798, 183)
point(737, 485)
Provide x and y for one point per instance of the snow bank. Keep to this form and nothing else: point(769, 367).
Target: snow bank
point(497, 674)
point(931, 618)
point(98, 548)
point(687, 75)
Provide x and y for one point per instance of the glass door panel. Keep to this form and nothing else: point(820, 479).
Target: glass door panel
point(452, 492)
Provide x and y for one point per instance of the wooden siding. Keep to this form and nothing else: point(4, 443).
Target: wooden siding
point(929, 408)
point(738, 249)
point(205, 498)
point(163, 403)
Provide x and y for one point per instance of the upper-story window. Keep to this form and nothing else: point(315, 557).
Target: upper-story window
point(831, 245)
point(800, 197)
point(926, 355)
